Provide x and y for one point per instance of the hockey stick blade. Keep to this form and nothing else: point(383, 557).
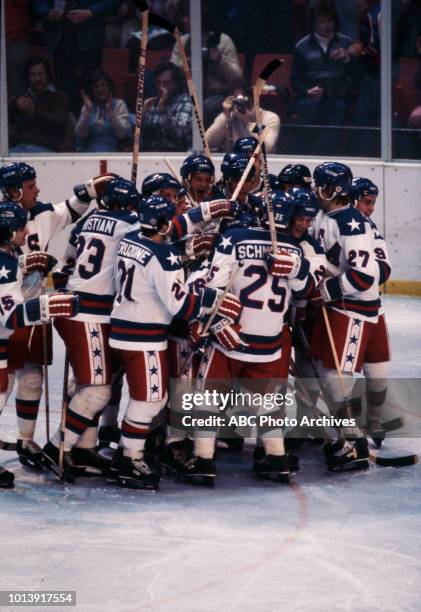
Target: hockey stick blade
point(402, 461)
point(141, 5)
point(160, 22)
point(270, 68)
point(393, 424)
point(7, 446)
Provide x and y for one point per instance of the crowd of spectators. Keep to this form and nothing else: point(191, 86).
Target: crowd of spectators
point(61, 97)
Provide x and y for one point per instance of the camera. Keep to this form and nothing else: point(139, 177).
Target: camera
point(241, 103)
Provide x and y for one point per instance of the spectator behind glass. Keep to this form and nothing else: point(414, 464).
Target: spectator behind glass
point(75, 37)
point(220, 61)
point(104, 119)
point(238, 120)
point(38, 119)
point(17, 41)
point(167, 117)
point(321, 76)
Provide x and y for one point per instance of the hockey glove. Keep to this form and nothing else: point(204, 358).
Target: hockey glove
point(228, 335)
point(326, 292)
point(197, 339)
point(58, 305)
point(230, 308)
point(93, 188)
point(284, 264)
point(218, 209)
point(200, 245)
point(37, 261)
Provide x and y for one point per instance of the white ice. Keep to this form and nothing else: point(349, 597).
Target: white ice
point(329, 542)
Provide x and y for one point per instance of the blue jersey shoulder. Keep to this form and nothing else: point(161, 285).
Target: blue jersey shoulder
point(231, 237)
point(351, 222)
point(39, 208)
point(8, 268)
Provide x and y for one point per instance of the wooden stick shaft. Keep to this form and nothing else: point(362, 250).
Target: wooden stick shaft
point(45, 368)
point(192, 91)
point(139, 99)
point(252, 159)
point(64, 405)
point(257, 89)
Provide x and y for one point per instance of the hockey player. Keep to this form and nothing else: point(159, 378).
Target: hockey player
point(162, 184)
point(198, 177)
point(254, 348)
point(151, 291)
point(248, 146)
point(14, 312)
point(352, 300)
point(95, 240)
point(376, 366)
point(305, 210)
point(18, 182)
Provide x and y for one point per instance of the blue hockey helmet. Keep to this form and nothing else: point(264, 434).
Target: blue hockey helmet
point(361, 187)
point(335, 175)
point(155, 211)
point(155, 182)
point(305, 202)
point(196, 163)
point(245, 145)
point(13, 217)
point(298, 175)
point(234, 164)
point(283, 209)
point(120, 193)
point(283, 176)
point(14, 175)
point(274, 182)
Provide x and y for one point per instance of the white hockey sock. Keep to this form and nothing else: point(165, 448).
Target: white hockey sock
point(274, 442)
point(204, 447)
point(28, 395)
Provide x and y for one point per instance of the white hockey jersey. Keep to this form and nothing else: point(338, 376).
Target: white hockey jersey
point(95, 241)
point(265, 299)
point(349, 243)
point(151, 291)
point(45, 221)
point(14, 313)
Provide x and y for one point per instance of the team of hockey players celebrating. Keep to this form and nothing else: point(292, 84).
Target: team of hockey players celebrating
point(194, 278)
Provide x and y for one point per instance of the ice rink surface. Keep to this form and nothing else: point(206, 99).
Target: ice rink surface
point(328, 542)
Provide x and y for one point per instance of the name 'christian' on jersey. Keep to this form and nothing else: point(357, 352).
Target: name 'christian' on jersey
point(265, 299)
point(95, 241)
point(349, 243)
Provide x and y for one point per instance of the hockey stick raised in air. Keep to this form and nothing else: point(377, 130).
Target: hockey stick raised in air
point(172, 29)
point(257, 90)
point(143, 8)
point(250, 164)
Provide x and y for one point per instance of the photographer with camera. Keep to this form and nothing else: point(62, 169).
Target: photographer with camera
point(238, 120)
point(220, 60)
